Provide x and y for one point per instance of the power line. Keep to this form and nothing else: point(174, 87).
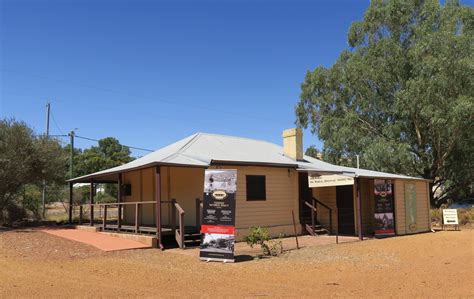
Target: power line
point(56, 124)
point(133, 147)
point(96, 140)
point(168, 101)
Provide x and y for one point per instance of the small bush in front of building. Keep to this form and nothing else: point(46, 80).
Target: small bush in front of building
point(259, 236)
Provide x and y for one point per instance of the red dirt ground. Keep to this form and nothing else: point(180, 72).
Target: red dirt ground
point(432, 265)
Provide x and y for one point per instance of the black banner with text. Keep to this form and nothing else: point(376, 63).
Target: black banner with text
point(218, 219)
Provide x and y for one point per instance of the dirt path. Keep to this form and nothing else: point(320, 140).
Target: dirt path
point(34, 264)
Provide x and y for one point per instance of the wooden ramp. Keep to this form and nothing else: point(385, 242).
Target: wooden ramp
point(102, 241)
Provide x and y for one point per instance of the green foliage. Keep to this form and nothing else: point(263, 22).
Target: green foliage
point(261, 237)
point(109, 153)
point(402, 96)
point(258, 236)
point(25, 159)
point(312, 151)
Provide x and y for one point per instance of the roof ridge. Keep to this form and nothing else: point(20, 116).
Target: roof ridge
point(239, 137)
point(189, 143)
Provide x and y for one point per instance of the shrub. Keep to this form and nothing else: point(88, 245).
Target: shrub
point(260, 236)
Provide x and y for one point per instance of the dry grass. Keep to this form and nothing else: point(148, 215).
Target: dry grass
point(465, 216)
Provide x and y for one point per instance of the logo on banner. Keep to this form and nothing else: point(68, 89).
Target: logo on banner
point(218, 219)
point(219, 194)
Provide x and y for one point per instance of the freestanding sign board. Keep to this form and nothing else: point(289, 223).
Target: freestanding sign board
point(383, 195)
point(218, 219)
point(450, 217)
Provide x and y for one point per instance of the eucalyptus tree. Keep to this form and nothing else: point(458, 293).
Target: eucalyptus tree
point(402, 95)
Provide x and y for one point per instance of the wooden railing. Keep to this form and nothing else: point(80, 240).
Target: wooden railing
point(328, 209)
point(177, 216)
point(313, 206)
point(312, 229)
point(178, 232)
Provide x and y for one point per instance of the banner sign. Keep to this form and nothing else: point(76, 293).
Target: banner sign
point(218, 219)
point(316, 180)
point(410, 207)
point(450, 217)
point(383, 195)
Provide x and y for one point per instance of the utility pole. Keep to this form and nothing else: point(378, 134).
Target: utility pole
point(357, 156)
point(48, 111)
point(71, 162)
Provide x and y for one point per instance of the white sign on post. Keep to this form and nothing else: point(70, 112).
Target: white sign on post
point(450, 217)
point(316, 180)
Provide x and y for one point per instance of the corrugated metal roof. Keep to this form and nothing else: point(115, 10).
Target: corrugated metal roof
point(203, 149)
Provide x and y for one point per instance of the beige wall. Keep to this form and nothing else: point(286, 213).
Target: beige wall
point(328, 196)
point(184, 185)
point(134, 179)
point(422, 206)
point(275, 211)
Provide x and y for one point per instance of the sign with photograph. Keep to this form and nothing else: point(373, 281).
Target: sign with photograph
point(450, 217)
point(218, 219)
point(316, 180)
point(383, 195)
point(410, 208)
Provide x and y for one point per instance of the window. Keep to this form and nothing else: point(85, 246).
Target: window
point(256, 187)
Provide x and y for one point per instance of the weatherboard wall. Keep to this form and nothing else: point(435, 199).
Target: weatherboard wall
point(274, 212)
point(422, 206)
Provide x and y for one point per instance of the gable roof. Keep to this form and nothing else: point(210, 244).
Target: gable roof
point(203, 150)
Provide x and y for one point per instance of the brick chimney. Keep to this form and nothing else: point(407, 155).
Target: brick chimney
point(293, 143)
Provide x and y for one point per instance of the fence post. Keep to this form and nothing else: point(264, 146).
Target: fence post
point(80, 214)
point(181, 229)
point(312, 217)
point(330, 221)
point(104, 220)
point(137, 211)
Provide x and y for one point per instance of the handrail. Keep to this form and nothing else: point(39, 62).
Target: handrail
point(312, 229)
point(316, 200)
point(179, 233)
point(177, 211)
point(330, 214)
point(310, 205)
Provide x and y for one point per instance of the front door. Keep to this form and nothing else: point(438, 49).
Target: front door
point(345, 210)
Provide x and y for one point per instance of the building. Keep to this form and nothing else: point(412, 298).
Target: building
point(272, 182)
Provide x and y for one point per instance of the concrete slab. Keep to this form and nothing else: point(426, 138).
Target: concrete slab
point(102, 241)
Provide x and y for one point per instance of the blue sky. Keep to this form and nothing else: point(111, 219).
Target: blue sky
point(152, 72)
